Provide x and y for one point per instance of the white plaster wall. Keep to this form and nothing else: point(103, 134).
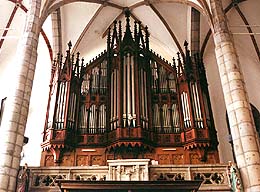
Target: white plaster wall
point(217, 103)
point(38, 102)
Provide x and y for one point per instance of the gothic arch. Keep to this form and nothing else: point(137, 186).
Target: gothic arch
point(202, 6)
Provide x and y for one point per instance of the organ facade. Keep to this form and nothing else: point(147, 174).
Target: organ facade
point(128, 103)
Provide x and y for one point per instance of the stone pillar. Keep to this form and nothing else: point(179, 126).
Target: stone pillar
point(56, 31)
point(17, 104)
point(242, 126)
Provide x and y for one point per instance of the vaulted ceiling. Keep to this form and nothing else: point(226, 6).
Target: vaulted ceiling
point(168, 22)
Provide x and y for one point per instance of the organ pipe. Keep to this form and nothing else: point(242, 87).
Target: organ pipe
point(129, 93)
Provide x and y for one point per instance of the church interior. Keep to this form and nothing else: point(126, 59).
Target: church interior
point(123, 95)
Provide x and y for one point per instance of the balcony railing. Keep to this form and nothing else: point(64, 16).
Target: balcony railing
point(215, 176)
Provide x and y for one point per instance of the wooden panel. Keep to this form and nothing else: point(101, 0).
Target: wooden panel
point(194, 158)
point(66, 160)
point(97, 160)
point(123, 186)
point(177, 159)
point(82, 160)
point(164, 159)
point(49, 160)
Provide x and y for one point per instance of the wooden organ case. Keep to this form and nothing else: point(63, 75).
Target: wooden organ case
point(128, 103)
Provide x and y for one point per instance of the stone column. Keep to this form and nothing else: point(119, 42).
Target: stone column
point(17, 104)
point(56, 31)
point(242, 126)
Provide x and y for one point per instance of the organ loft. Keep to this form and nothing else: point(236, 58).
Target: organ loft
point(128, 103)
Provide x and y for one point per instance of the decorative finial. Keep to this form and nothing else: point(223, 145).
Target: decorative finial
point(127, 12)
point(178, 54)
point(69, 45)
point(120, 30)
point(127, 15)
point(135, 30)
point(186, 44)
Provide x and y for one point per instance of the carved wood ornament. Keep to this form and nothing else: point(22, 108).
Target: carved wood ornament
point(129, 102)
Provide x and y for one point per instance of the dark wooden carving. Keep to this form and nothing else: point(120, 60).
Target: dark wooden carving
point(129, 102)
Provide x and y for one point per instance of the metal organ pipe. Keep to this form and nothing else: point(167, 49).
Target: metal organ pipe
point(124, 91)
point(129, 86)
point(102, 118)
point(188, 109)
point(112, 101)
point(145, 101)
point(117, 96)
point(93, 119)
point(114, 98)
point(72, 110)
point(175, 118)
point(143, 98)
point(61, 106)
point(184, 110)
point(199, 107)
point(83, 117)
point(133, 91)
point(198, 115)
point(194, 104)
point(166, 119)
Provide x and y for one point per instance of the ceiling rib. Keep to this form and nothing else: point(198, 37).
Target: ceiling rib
point(141, 3)
point(205, 42)
point(138, 20)
point(19, 3)
point(47, 43)
point(168, 29)
point(113, 5)
point(204, 4)
point(227, 9)
point(111, 25)
point(131, 14)
point(249, 30)
point(118, 17)
point(87, 28)
point(8, 26)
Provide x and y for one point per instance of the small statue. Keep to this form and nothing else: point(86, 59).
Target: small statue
point(23, 179)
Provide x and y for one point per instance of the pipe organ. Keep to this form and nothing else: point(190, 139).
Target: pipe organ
point(128, 102)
